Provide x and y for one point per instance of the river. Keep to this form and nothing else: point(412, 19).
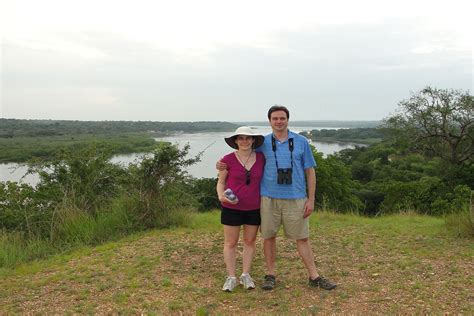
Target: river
point(210, 143)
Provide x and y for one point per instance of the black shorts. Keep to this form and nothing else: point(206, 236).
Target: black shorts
point(232, 217)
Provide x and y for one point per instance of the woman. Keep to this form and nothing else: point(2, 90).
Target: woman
point(243, 175)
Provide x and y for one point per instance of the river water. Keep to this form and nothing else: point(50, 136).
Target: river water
point(210, 143)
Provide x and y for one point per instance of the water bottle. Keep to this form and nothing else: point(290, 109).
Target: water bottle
point(230, 194)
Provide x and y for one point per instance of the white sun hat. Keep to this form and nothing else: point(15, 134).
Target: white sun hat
point(247, 131)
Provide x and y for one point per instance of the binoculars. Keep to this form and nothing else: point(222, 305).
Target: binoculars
point(284, 175)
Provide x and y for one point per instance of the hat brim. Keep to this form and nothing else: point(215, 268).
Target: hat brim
point(259, 139)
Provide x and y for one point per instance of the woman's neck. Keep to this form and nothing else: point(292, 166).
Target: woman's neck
point(244, 152)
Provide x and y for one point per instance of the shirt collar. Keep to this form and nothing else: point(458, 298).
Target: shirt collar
point(290, 135)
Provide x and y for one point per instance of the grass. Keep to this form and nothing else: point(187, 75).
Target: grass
point(399, 264)
point(462, 224)
point(76, 228)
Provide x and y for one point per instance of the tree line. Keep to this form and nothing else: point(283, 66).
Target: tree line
point(10, 128)
point(361, 135)
point(22, 140)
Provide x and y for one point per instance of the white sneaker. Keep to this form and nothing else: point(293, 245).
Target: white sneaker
point(247, 281)
point(229, 284)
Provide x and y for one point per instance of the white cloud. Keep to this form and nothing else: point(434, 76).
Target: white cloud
point(167, 60)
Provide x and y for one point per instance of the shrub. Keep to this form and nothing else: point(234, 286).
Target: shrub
point(157, 185)
point(24, 210)
point(371, 200)
point(334, 184)
point(86, 178)
point(204, 191)
point(416, 196)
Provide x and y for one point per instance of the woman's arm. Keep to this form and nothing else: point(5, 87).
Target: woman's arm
point(221, 182)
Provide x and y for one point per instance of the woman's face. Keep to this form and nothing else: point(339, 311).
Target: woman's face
point(244, 142)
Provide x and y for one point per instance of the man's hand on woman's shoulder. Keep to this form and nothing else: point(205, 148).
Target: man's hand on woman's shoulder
point(221, 166)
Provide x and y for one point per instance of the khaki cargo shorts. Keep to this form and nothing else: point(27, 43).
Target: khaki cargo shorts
point(275, 212)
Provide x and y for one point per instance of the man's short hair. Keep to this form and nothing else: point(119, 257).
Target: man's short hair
point(278, 108)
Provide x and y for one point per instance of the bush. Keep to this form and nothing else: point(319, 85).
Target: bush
point(414, 195)
point(334, 184)
point(157, 185)
point(371, 200)
point(85, 178)
point(23, 209)
point(204, 190)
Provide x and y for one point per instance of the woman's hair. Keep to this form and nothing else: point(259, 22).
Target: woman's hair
point(278, 108)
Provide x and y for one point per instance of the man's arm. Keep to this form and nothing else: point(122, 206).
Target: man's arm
point(311, 186)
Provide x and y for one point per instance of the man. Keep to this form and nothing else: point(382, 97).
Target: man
point(288, 189)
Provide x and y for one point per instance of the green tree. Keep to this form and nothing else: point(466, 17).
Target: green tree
point(437, 122)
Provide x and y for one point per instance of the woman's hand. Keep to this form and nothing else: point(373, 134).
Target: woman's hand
point(224, 199)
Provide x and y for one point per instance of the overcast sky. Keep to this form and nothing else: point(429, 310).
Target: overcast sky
point(228, 60)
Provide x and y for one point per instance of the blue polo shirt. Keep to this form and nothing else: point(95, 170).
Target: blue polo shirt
point(302, 159)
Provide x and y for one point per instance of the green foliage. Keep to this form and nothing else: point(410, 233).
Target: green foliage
point(87, 179)
point(166, 165)
point(334, 184)
point(357, 135)
point(437, 123)
point(82, 198)
point(454, 202)
point(392, 180)
point(22, 140)
point(73, 226)
point(15, 248)
point(384, 178)
point(21, 149)
point(413, 195)
point(158, 184)
point(457, 174)
point(24, 209)
point(12, 128)
point(204, 190)
point(461, 224)
point(371, 198)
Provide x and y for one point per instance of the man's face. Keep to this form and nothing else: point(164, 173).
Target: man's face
point(279, 121)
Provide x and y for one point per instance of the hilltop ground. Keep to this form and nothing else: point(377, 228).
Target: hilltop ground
point(399, 264)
